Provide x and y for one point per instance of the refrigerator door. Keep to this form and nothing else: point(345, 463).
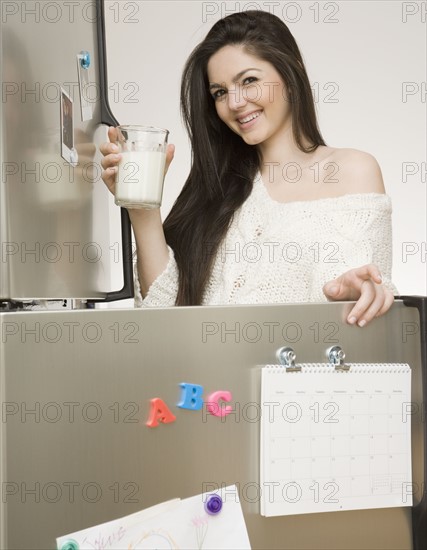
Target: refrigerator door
point(76, 390)
point(54, 217)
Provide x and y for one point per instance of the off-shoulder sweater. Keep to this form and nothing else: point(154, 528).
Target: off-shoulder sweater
point(277, 252)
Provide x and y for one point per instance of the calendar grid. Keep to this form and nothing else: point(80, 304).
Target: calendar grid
point(337, 441)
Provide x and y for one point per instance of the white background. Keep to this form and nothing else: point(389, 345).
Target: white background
point(358, 55)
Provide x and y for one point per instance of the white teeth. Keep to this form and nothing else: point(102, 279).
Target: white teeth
point(249, 117)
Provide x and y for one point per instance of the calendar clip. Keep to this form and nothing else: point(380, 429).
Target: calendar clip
point(286, 357)
point(336, 357)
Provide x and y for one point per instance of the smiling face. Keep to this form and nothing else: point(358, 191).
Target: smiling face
point(250, 96)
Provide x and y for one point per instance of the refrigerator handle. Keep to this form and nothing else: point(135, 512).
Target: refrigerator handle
point(109, 119)
point(107, 116)
point(419, 512)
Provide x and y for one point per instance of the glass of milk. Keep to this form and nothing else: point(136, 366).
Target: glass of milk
point(140, 176)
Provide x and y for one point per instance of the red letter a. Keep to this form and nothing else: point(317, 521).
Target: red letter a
point(159, 412)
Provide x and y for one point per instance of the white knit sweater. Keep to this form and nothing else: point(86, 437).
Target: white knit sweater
point(285, 252)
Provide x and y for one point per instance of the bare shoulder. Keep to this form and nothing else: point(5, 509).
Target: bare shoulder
point(358, 171)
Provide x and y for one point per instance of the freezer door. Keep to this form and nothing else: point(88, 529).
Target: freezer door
point(76, 388)
point(54, 218)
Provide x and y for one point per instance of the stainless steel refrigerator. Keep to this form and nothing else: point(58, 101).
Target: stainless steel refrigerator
point(76, 384)
point(54, 223)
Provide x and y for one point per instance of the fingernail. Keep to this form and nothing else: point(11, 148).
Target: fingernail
point(114, 148)
point(333, 289)
point(352, 320)
point(362, 323)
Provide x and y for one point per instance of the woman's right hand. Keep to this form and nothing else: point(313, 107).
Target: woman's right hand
point(151, 247)
point(112, 157)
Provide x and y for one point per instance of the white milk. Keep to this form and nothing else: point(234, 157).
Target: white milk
point(140, 179)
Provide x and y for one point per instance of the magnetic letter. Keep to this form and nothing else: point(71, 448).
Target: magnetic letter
point(191, 397)
point(212, 404)
point(159, 412)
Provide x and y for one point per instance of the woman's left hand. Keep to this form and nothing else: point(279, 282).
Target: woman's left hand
point(364, 285)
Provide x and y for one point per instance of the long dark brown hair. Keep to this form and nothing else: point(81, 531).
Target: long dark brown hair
point(223, 165)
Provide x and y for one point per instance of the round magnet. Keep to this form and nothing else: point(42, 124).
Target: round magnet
point(70, 544)
point(213, 504)
point(85, 60)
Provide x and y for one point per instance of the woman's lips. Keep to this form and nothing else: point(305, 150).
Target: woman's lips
point(249, 119)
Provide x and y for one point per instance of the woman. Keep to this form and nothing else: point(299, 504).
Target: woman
point(268, 213)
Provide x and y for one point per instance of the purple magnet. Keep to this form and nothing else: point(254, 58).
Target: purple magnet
point(213, 504)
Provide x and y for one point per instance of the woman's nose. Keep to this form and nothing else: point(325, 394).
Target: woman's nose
point(236, 98)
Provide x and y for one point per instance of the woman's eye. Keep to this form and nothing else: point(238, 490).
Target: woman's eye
point(250, 79)
point(218, 94)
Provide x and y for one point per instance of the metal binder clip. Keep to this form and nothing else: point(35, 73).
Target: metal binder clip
point(286, 357)
point(336, 356)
